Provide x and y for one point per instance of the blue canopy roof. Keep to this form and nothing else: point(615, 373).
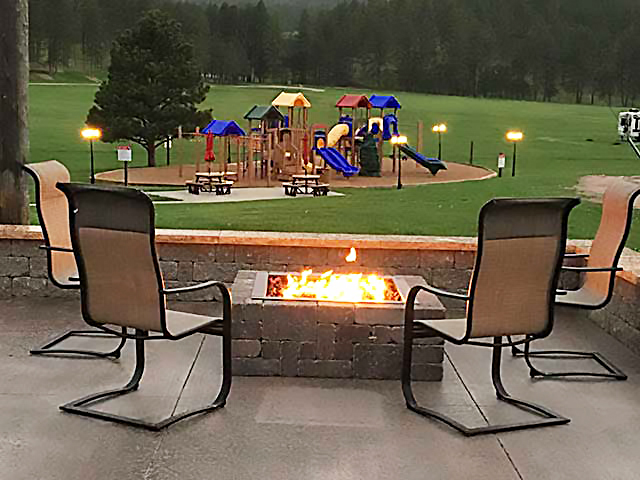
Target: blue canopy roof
point(384, 101)
point(222, 128)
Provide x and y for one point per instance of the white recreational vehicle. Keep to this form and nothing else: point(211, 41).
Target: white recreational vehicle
point(629, 125)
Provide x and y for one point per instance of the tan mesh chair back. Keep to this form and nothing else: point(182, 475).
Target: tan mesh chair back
point(112, 231)
point(520, 249)
point(615, 223)
point(53, 214)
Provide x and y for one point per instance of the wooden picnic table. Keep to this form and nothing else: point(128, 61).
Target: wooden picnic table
point(214, 178)
point(305, 182)
point(305, 185)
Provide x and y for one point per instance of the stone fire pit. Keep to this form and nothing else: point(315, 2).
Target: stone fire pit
point(309, 338)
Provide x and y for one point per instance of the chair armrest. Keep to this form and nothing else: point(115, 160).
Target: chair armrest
point(442, 293)
point(593, 269)
point(562, 292)
point(56, 249)
point(194, 288)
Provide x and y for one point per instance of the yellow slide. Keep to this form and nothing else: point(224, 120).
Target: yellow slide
point(336, 133)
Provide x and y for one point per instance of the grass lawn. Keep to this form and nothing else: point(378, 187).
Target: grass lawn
point(554, 154)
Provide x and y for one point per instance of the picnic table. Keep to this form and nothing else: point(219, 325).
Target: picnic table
point(305, 185)
point(212, 181)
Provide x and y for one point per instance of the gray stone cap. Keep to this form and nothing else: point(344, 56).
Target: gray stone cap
point(319, 240)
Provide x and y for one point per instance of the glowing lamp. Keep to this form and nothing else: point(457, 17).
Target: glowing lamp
point(91, 133)
point(399, 140)
point(515, 136)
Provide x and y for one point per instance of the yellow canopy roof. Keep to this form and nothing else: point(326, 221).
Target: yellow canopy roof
point(291, 100)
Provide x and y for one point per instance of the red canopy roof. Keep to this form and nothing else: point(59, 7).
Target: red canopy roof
point(354, 101)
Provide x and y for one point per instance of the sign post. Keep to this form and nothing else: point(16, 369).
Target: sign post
point(502, 161)
point(124, 155)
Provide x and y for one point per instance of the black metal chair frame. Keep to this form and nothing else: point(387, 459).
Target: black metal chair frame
point(49, 347)
point(613, 372)
point(414, 330)
point(218, 326)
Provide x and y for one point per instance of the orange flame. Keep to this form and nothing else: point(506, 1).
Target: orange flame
point(352, 257)
point(352, 287)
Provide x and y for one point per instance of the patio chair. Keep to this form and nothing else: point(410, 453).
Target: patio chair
point(600, 274)
point(520, 247)
point(113, 238)
point(53, 214)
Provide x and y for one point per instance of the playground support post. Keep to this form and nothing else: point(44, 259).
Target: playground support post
point(420, 142)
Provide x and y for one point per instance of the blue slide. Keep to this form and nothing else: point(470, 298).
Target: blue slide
point(433, 164)
point(335, 160)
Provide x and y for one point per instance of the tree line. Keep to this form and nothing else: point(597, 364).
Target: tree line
point(540, 50)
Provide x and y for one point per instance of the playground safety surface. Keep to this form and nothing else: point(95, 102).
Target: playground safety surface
point(412, 174)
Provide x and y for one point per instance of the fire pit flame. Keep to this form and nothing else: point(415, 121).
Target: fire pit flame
point(347, 287)
point(351, 287)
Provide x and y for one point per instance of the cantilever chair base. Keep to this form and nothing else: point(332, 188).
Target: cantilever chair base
point(80, 406)
point(613, 371)
point(48, 348)
point(548, 417)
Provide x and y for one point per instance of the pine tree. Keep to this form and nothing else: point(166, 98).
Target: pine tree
point(154, 85)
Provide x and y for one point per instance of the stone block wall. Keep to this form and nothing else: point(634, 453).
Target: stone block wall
point(191, 257)
point(621, 318)
point(188, 258)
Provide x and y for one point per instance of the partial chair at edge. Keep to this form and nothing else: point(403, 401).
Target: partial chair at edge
point(600, 275)
point(113, 238)
point(53, 216)
point(520, 249)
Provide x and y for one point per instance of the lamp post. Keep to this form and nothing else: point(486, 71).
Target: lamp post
point(92, 134)
point(514, 136)
point(397, 141)
point(439, 129)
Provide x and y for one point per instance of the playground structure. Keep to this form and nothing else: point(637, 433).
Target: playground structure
point(276, 145)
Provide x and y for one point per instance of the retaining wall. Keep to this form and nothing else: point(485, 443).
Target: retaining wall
point(193, 256)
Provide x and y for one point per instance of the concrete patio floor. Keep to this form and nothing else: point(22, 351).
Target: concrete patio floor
point(274, 428)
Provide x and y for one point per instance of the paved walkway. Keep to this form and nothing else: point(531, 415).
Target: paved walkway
point(237, 195)
point(302, 428)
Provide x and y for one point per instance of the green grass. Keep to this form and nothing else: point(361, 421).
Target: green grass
point(554, 154)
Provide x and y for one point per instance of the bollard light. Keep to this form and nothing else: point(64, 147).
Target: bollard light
point(514, 136)
point(91, 134)
point(398, 141)
point(439, 129)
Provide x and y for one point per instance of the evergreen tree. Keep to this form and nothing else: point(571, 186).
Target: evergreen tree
point(154, 85)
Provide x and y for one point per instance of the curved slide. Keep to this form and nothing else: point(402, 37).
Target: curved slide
point(336, 133)
point(335, 160)
point(432, 164)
